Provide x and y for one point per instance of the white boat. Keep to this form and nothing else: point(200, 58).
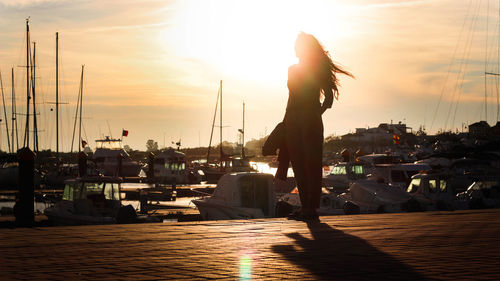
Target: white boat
point(481, 194)
point(229, 165)
point(372, 196)
point(240, 196)
point(330, 203)
point(89, 200)
point(170, 166)
point(343, 174)
point(106, 158)
point(432, 192)
point(398, 175)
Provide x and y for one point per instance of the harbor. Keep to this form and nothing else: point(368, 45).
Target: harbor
point(250, 140)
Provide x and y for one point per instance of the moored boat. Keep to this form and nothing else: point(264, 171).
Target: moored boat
point(112, 160)
point(170, 166)
point(228, 165)
point(240, 196)
point(90, 200)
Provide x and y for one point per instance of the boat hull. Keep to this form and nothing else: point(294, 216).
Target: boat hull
point(128, 170)
point(214, 211)
point(59, 217)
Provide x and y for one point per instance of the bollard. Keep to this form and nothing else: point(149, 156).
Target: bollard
point(82, 164)
point(151, 166)
point(24, 209)
point(120, 160)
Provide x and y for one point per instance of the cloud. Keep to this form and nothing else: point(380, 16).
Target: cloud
point(28, 3)
point(395, 4)
point(125, 27)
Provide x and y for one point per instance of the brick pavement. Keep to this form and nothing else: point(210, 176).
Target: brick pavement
point(461, 245)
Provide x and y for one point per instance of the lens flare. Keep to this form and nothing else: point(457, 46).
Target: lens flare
point(245, 268)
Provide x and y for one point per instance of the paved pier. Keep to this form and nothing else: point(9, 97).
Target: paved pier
point(460, 245)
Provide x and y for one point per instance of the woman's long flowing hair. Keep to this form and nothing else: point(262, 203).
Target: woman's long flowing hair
point(312, 52)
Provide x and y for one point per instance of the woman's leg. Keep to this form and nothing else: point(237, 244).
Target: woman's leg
point(296, 151)
point(314, 161)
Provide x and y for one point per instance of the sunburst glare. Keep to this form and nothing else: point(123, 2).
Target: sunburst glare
point(248, 40)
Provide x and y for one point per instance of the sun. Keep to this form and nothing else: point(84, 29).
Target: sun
point(250, 40)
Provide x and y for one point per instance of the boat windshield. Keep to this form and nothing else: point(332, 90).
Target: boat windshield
point(357, 169)
point(255, 193)
point(73, 191)
point(414, 185)
point(176, 167)
point(240, 163)
point(339, 170)
point(490, 189)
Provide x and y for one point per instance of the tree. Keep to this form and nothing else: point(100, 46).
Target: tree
point(151, 146)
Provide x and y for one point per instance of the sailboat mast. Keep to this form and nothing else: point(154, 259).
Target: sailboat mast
point(27, 128)
point(57, 94)
point(213, 124)
point(33, 77)
point(220, 115)
point(5, 114)
point(76, 117)
point(81, 101)
point(14, 113)
point(243, 134)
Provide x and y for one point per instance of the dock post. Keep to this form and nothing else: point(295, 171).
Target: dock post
point(151, 166)
point(82, 164)
point(24, 209)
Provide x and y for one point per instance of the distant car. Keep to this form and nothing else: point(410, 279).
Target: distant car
point(481, 194)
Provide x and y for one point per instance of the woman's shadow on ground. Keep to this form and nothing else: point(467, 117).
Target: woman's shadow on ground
point(334, 255)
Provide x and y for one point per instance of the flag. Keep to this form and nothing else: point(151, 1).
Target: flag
point(124, 133)
point(84, 143)
point(395, 139)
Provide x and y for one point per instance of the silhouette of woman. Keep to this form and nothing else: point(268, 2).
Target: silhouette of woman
point(313, 76)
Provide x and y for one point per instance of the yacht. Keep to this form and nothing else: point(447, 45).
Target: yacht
point(170, 166)
point(89, 200)
point(107, 157)
point(228, 165)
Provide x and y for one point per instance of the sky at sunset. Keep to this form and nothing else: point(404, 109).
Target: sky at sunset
point(153, 67)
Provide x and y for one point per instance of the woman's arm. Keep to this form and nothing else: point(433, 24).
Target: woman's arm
point(327, 103)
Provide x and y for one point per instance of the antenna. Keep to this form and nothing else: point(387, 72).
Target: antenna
point(109, 129)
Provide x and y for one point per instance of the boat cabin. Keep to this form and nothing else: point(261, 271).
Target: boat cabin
point(95, 196)
point(171, 166)
point(399, 175)
point(240, 196)
point(247, 191)
point(342, 174)
point(432, 191)
point(236, 164)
